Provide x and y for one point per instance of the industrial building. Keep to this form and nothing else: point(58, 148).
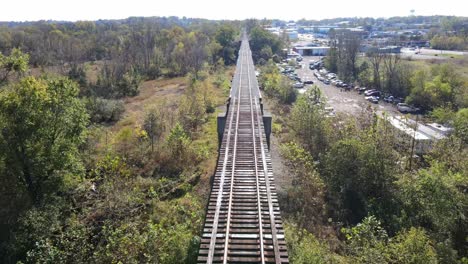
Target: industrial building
point(312, 51)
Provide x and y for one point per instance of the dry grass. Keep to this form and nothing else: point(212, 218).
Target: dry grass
point(154, 92)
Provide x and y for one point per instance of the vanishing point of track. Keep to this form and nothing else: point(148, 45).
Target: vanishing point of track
point(243, 222)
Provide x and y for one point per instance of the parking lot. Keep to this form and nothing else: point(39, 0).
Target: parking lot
point(342, 101)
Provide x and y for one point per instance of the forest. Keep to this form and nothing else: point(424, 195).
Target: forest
point(106, 144)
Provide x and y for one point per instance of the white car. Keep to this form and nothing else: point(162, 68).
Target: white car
point(406, 108)
point(373, 99)
point(369, 92)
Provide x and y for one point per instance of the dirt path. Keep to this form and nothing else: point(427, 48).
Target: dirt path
point(283, 178)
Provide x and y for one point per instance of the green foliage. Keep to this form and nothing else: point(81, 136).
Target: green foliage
point(225, 36)
point(437, 89)
point(264, 45)
point(17, 62)
point(42, 124)
point(178, 140)
point(434, 199)
point(305, 248)
point(461, 124)
point(449, 42)
point(103, 110)
point(344, 48)
point(116, 82)
point(78, 74)
point(360, 174)
point(146, 44)
point(443, 115)
point(276, 85)
point(331, 60)
point(368, 242)
point(196, 103)
point(306, 196)
point(412, 246)
point(154, 126)
point(309, 123)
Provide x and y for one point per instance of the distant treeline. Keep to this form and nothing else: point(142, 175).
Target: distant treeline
point(148, 44)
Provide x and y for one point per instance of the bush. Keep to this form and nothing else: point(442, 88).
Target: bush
point(305, 248)
point(103, 110)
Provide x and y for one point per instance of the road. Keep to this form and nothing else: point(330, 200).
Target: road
point(430, 54)
point(346, 102)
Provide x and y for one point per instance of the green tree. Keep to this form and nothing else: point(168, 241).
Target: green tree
point(262, 42)
point(42, 123)
point(17, 62)
point(276, 85)
point(225, 36)
point(309, 123)
point(413, 247)
point(153, 124)
point(360, 174)
point(368, 242)
point(178, 142)
point(305, 248)
point(461, 124)
point(434, 199)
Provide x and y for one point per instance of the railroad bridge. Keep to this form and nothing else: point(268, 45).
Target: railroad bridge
point(243, 222)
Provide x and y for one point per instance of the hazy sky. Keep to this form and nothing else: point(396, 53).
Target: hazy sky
point(29, 10)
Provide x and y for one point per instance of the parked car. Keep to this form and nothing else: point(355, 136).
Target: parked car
point(373, 93)
point(298, 85)
point(368, 92)
point(308, 82)
point(389, 99)
point(398, 100)
point(373, 99)
point(326, 81)
point(406, 108)
point(361, 90)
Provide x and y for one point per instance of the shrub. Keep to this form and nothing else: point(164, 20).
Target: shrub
point(103, 110)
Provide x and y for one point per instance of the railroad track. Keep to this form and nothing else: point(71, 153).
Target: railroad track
point(243, 222)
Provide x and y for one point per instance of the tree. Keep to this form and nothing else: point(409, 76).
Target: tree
point(344, 48)
point(309, 123)
point(368, 242)
point(305, 248)
point(434, 198)
point(375, 59)
point(225, 36)
point(178, 142)
point(153, 125)
point(42, 124)
point(17, 62)
point(276, 85)
point(461, 124)
point(262, 42)
point(360, 174)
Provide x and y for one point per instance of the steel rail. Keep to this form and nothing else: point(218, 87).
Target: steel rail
point(226, 237)
point(257, 183)
point(223, 175)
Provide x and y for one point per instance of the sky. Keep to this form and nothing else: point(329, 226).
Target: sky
point(32, 10)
